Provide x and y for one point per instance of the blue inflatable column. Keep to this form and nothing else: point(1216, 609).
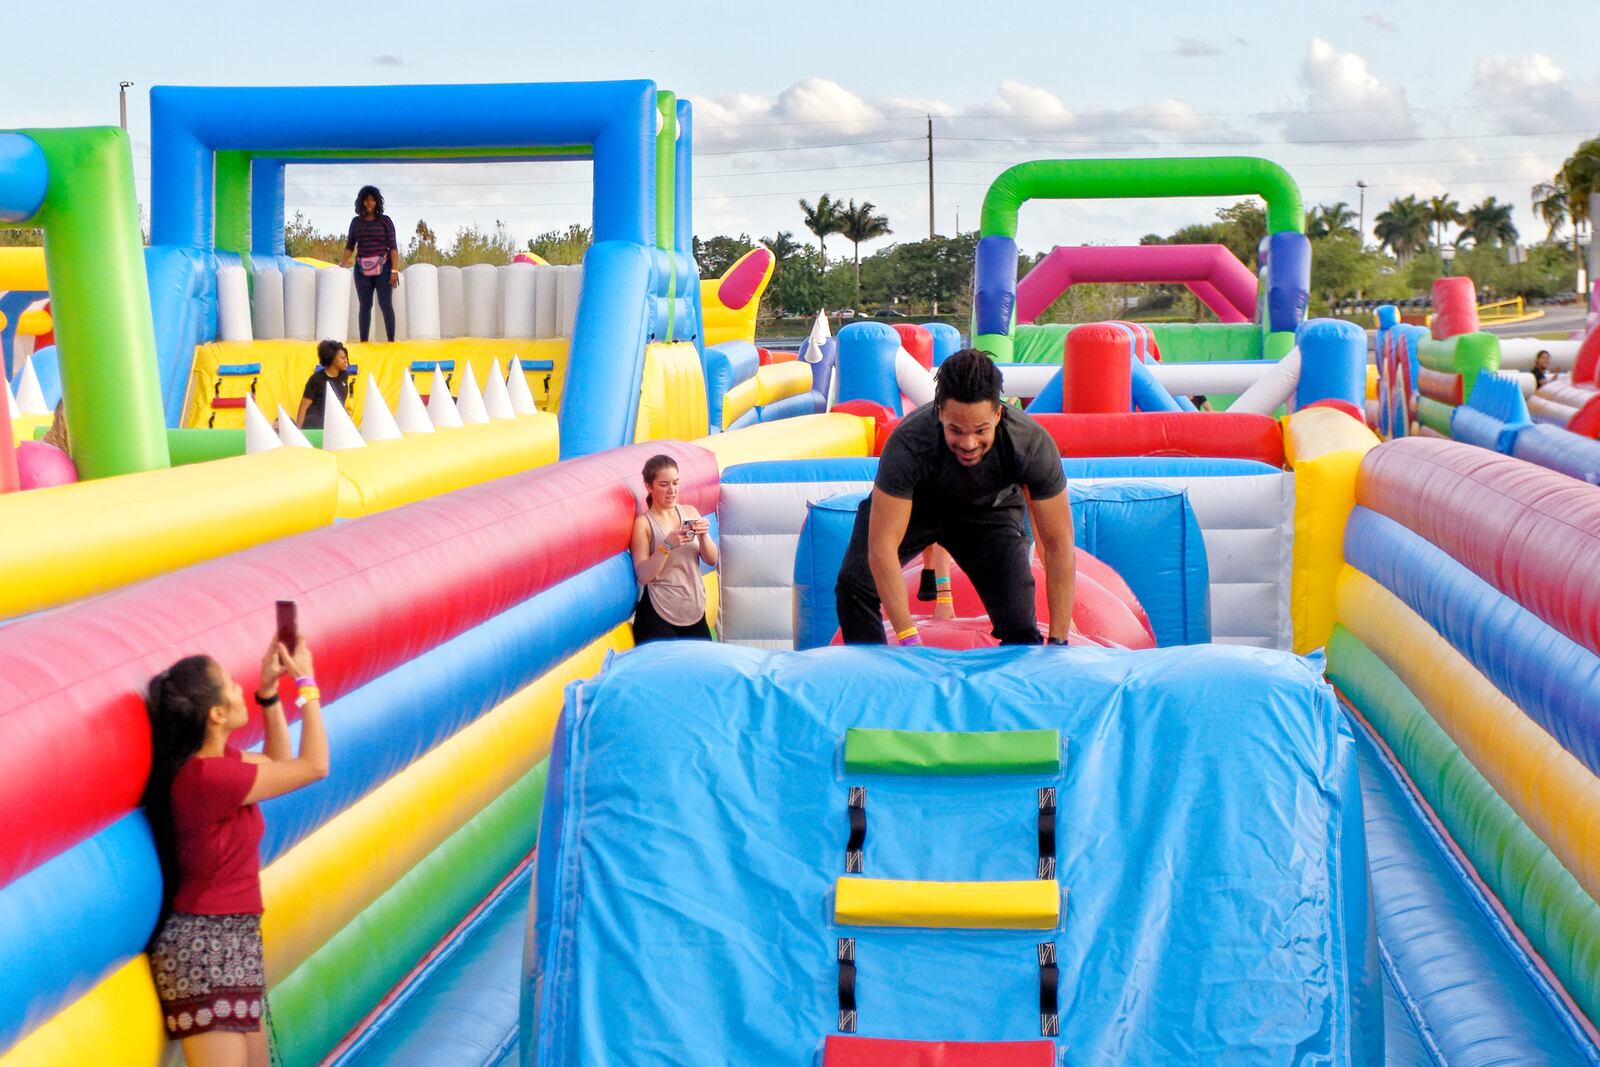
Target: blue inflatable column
point(946, 341)
point(866, 364)
point(1333, 362)
point(605, 365)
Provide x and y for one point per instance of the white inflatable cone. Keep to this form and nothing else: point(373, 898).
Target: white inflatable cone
point(376, 422)
point(289, 433)
point(30, 397)
point(496, 397)
point(470, 402)
point(410, 415)
point(441, 409)
point(258, 432)
point(11, 403)
point(517, 385)
point(338, 430)
point(820, 334)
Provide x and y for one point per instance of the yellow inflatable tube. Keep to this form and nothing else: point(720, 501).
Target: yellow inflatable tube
point(672, 395)
point(386, 474)
point(116, 1023)
point(328, 878)
point(1033, 904)
point(779, 380)
point(1555, 794)
point(1325, 448)
point(738, 400)
point(59, 545)
point(802, 437)
point(22, 269)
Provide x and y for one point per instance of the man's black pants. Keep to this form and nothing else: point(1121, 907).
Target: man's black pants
point(990, 544)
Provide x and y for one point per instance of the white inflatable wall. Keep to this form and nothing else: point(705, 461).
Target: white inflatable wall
point(518, 291)
point(452, 303)
point(335, 294)
point(481, 284)
point(547, 302)
point(1246, 522)
point(233, 303)
point(421, 283)
point(570, 286)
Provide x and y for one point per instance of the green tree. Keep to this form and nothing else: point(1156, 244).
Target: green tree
point(301, 239)
point(563, 247)
point(1580, 177)
point(1341, 268)
point(716, 254)
point(20, 237)
point(862, 223)
point(1326, 220)
point(822, 219)
point(1442, 211)
point(1551, 204)
point(424, 246)
point(1488, 223)
point(1403, 227)
point(474, 245)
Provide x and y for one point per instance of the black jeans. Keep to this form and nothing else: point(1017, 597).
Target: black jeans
point(365, 287)
point(990, 544)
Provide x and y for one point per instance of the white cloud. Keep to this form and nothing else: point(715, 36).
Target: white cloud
point(1530, 94)
point(1344, 100)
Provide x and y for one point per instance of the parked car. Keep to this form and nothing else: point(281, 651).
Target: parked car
point(888, 313)
point(846, 313)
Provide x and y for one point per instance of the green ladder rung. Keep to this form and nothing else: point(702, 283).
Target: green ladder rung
point(935, 752)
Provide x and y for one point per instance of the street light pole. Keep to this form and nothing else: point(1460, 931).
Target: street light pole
point(1362, 218)
point(122, 102)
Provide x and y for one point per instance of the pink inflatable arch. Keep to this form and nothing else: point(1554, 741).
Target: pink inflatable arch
point(1212, 273)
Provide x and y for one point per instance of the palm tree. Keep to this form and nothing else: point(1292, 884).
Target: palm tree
point(822, 220)
point(1442, 211)
point(1488, 223)
point(1551, 204)
point(1326, 220)
point(1580, 177)
point(860, 224)
point(1403, 227)
point(782, 245)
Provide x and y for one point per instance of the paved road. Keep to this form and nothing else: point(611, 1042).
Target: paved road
point(1562, 319)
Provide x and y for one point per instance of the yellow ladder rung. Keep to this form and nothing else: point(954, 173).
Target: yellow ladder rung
point(1034, 904)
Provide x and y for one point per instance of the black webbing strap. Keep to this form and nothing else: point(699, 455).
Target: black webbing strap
point(1049, 979)
point(1047, 832)
point(858, 830)
point(847, 985)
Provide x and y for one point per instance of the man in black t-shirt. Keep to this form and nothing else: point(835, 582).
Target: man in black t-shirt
point(335, 365)
point(954, 472)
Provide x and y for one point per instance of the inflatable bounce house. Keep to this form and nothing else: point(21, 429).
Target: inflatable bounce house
point(1173, 842)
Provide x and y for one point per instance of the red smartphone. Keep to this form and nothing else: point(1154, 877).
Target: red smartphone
point(288, 624)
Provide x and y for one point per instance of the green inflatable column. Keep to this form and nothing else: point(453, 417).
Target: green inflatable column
point(232, 227)
point(100, 301)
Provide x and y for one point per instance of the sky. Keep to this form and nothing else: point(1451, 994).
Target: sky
point(1474, 99)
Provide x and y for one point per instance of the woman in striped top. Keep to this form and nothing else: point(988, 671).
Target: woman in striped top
point(377, 254)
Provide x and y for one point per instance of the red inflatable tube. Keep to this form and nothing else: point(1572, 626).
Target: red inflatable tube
point(1586, 423)
point(844, 1051)
point(883, 420)
point(373, 593)
point(1098, 377)
point(1214, 435)
point(1455, 307)
point(917, 341)
point(1521, 528)
point(1586, 368)
point(1437, 385)
point(1340, 405)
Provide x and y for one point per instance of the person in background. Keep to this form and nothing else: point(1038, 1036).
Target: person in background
point(56, 435)
point(1541, 369)
point(201, 799)
point(371, 241)
point(1200, 402)
point(333, 370)
point(669, 542)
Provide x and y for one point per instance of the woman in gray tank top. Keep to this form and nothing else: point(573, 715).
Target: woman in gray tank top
point(669, 542)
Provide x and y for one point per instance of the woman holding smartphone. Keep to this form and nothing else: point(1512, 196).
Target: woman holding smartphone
point(669, 542)
point(202, 800)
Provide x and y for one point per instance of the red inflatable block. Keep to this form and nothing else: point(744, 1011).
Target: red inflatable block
point(840, 1051)
point(883, 419)
point(1586, 423)
point(1440, 386)
point(1099, 376)
point(1455, 307)
point(1521, 528)
point(1340, 405)
point(917, 341)
point(1586, 368)
point(374, 593)
point(1220, 435)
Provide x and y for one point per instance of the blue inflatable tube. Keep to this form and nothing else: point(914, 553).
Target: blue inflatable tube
point(1333, 362)
point(600, 404)
point(994, 285)
point(1052, 398)
point(946, 341)
point(788, 407)
point(1476, 428)
point(1552, 678)
point(1560, 450)
point(96, 903)
point(1148, 394)
point(1288, 281)
point(726, 365)
point(183, 307)
point(866, 364)
point(64, 923)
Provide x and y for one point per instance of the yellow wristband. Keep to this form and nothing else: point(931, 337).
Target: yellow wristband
point(907, 632)
point(944, 598)
point(308, 693)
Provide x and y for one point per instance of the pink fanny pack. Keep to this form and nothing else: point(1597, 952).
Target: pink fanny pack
point(371, 266)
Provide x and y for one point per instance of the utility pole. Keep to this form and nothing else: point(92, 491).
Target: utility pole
point(1362, 224)
point(122, 102)
point(930, 177)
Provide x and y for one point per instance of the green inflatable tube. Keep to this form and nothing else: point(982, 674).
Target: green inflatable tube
point(1434, 415)
point(201, 446)
point(314, 1007)
point(232, 226)
point(100, 301)
point(1561, 921)
point(1098, 179)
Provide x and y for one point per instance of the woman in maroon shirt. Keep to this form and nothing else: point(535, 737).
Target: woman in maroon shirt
point(201, 800)
point(372, 242)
